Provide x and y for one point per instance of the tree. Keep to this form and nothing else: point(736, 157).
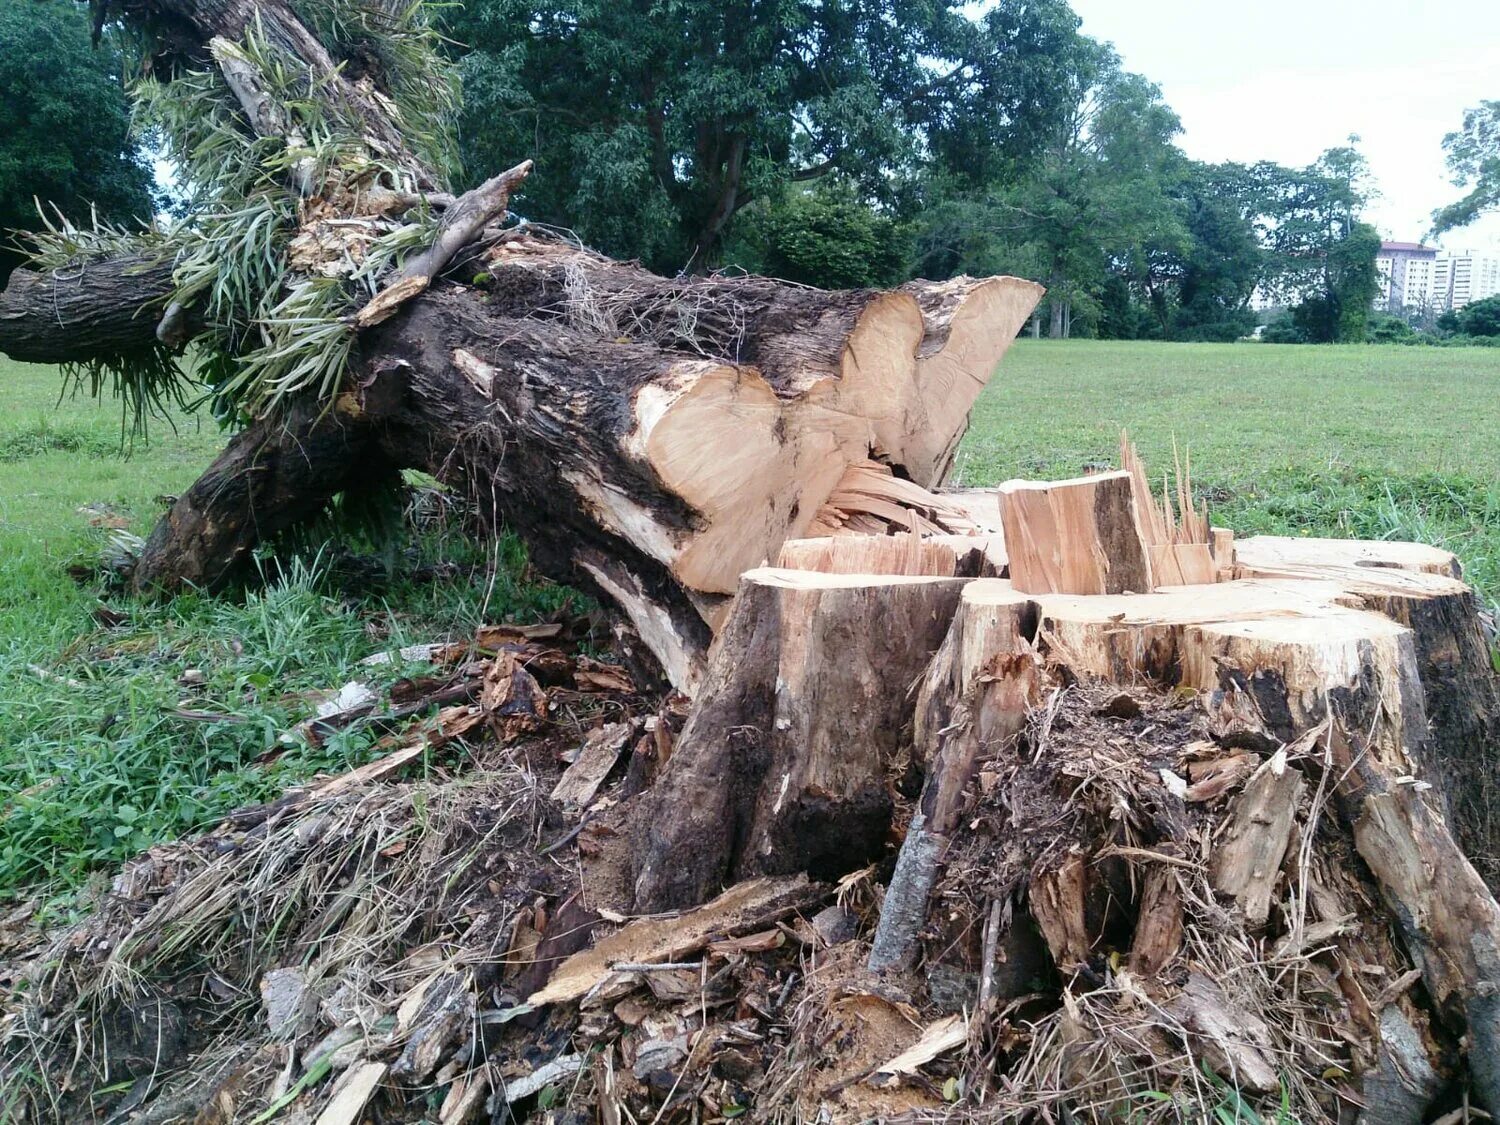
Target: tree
point(824, 234)
point(653, 125)
point(64, 123)
point(1223, 262)
point(1473, 154)
point(1320, 256)
point(354, 317)
point(1092, 204)
point(1478, 318)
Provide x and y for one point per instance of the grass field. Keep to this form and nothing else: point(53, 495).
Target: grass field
point(96, 762)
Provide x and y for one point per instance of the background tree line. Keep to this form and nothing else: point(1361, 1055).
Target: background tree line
point(838, 143)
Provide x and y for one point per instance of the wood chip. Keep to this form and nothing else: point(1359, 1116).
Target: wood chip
point(354, 1091)
point(744, 906)
point(598, 755)
point(936, 1038)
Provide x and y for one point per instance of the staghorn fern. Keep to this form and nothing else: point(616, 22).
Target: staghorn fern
point(274, 319)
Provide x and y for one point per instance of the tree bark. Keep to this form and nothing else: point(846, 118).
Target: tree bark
point(782, 765)
point(95, 310)
point(650, 439)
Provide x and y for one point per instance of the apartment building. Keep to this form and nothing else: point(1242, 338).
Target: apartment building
point(1406, 271)
point(1464, 276)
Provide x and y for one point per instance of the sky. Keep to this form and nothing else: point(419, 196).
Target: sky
point(1283, 80)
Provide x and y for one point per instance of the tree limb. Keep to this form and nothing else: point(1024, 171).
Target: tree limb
point(94, 310)
point(461, 224)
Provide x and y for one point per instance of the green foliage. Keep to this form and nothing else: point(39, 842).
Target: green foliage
point(825, 235)
point(652, 125)
point(271, 331)
point(1474, 160)
point(1478, 318)
point(1387, 329)
point(64, 124)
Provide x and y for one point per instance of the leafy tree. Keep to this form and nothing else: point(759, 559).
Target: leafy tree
point(1320, 256)
point(1478, 318)
point(1093, 205)
point(1474, 159)
point(654, 122)
point(64, 123)
point(1223, 262)
point(824, 234)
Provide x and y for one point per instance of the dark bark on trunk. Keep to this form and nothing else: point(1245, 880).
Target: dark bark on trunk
point(273, 476)
point(95, 310)
point(728, 203)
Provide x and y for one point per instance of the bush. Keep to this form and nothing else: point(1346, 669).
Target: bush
point(829, 237)
point(1386, 329)
point(1282, 329)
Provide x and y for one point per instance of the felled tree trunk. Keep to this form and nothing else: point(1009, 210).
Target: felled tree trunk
point(650, 439)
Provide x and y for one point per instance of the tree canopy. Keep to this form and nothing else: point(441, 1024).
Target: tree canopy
point(653, 123)
point(1474, 159)
point(64, 124)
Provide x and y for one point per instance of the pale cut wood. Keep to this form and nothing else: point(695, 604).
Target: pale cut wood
point(596, 757)
point(1247, 860)
point(980, 505)
point(1183, 564)
point(1294, 556)
point(782, 764)
point(942, 556)
point(743, 907)
point(870, 499)
point(970, 325)
point(1224, 549)
point(871, 554)
point(1079, 536)
point(1173, 523)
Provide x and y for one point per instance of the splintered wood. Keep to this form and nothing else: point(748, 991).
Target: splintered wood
point(1182, 547)
point(869, 499)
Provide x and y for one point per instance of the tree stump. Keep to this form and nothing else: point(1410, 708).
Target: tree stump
point(783, 763)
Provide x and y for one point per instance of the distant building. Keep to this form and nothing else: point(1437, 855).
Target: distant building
point(1464, 276)
point(1406, 271)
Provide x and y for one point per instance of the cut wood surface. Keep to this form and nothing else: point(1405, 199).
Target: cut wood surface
point(653, 472)
point(782, 764)
point(745, 906)
point(1078, 536)
point(871, 554)
point(942, 556)
point(1262, 555)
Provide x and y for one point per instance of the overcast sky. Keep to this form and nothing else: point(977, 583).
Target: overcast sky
point(1285, 79)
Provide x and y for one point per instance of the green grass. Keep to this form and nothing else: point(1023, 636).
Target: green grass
point(94, 762)
point(1365, 441)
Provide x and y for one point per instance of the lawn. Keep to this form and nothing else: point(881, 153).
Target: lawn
point(96, 760)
